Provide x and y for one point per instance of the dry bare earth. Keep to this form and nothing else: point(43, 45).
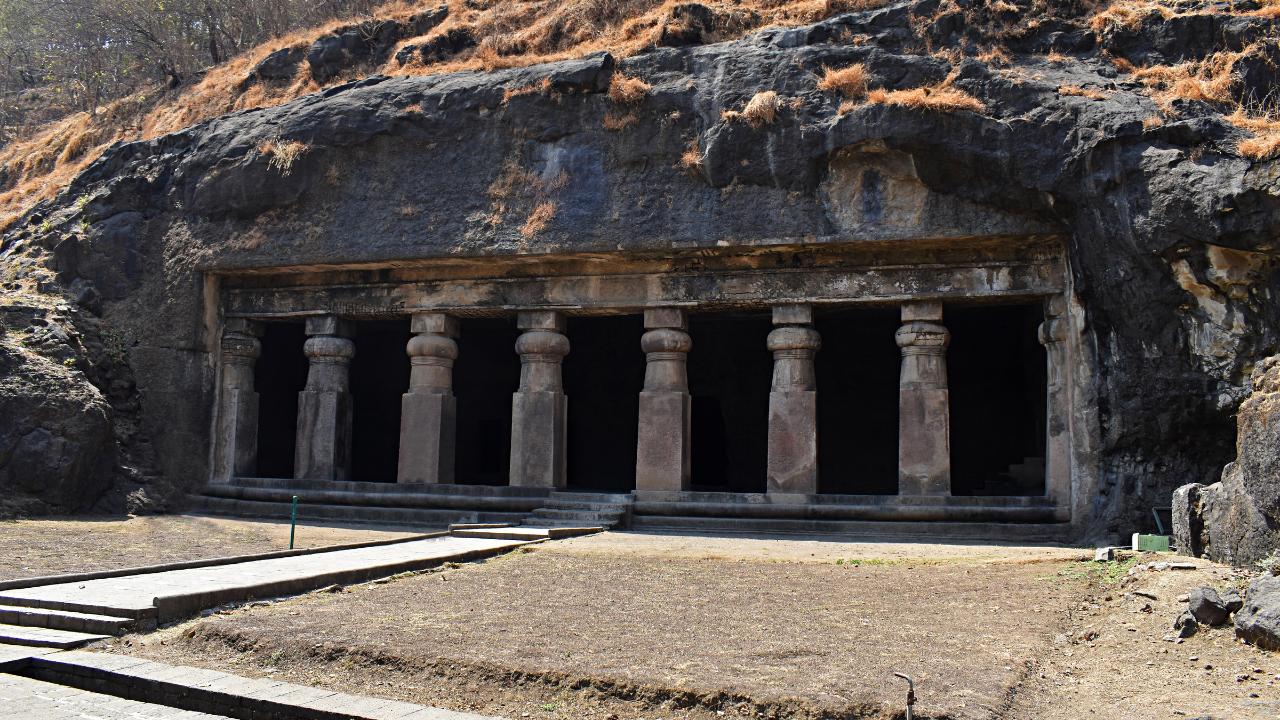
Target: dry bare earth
point(643, 628)
point(50, 546)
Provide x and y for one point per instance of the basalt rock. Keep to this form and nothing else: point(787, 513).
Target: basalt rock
point(1170, 228)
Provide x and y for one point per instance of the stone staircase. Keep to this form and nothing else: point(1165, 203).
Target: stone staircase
point(58, 628)
point(612, 511)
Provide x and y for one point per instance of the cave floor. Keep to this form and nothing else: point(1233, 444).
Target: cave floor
point(631, 625)
point(88, 543)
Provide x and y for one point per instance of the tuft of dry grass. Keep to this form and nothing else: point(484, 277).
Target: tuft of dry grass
point(1153, 121)
point(1210, 80)
point(620, 122)
point(938, 98)
point(283, 154)
point(762, 109)
point(1082, 92)
point(627, 90)
point(1265, 143)
point(851, 82)
point(691, 160)
point(1128, 14)
point(541, 216)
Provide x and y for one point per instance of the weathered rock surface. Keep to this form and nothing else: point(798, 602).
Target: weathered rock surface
point(1258, 621)
point(1237, 520)
point(1206, 607)
point(1170, 226)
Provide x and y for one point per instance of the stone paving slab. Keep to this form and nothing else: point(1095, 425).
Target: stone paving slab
point(175, 594)
point(45, 637)
point(26, 699)
point(16, 657)
point(526, 533)
point(216, 692)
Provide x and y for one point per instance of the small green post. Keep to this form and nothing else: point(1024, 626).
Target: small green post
point(293, 521)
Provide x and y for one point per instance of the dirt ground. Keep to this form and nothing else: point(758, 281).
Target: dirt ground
point(50, 546)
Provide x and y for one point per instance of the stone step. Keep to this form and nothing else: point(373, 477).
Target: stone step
point(543, 523)
point(63, 620)
point(45, 637)
point(571, 496)
point(348, 513)
point(588, 506)
point(594, 517)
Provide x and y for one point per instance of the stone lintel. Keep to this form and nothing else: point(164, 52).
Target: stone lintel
point(541, 320)
point(244, 326)
point(666, 317)
point(793, 314)
point(922, 310)
point(329, 325)
point(434, 322)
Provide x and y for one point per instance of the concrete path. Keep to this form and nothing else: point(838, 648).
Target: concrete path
point(175, 594)
point(27, 699)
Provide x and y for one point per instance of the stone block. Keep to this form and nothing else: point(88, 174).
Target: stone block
point(793, 314)
point(427, 432)
point(323, 447)
point(662, 446)
point(329, 325)
point(434, 323)
point(922, 310)
point(924, 442)
point(793, 442)
point(1106, 554)
point(237, 442)
point(538, 437)
point(665, 317)
point(541, 320)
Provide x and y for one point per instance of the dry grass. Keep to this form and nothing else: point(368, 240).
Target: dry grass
point(627, 90)
point(509, 34)
point(938, 98)
point(1082, 92)
point(541, 216)
point(1129, 14)
point(283, 154)
point(691, 160)
point(1265, 143)
point(1153, 121)
point(1210, 80)
point(851, 82)
point(619, 123)
point(762, 109)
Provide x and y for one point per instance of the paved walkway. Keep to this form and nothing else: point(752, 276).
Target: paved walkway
point(175, 594)
point(25, 698)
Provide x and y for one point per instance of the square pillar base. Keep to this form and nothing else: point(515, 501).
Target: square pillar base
point(539, 434)
point(793, 442)
point(924, 441)
point(662, 451)
point(323, 449)
point(428, 422)
point(237, 440)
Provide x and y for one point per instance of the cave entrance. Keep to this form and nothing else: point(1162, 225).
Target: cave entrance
point(603, 377)
point(857, 376)
point(730, 373)
point(485, 375)
point(278, 376)
point(379, 376)
point(998, 376)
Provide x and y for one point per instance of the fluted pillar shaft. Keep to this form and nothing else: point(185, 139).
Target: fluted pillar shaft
point(539, 409)
point(793, 402)
point(236, 439)
point(429, 411)
point(924, 404)
point(662, 447)
point(1053, 335)
point(323, 447)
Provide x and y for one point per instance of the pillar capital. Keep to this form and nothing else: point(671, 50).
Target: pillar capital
point(923, 310)
point(798, 314)
point(666, 317)
point(329, 325)
point(434, 322)
point(549, 320)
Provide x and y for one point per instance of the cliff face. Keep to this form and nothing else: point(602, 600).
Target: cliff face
point(1171, 229)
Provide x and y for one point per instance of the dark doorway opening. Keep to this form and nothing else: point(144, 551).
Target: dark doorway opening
point(603, 377)
point(857, 369)
point(730, 373)
point(996, 370)
point(379, 377)
point(485, 375)
point(278, 376)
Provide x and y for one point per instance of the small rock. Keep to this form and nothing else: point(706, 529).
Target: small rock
point(331, 589)
point(1106, 554)
point(1161, 566)
point(1207, 607)
point(1186, 625)
point(1231, 599)
point(1183, 598)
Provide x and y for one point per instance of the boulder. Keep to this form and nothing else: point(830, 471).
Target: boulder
point(1207, 607)
point(279, 65)
point(1186, 625)
point(331, 54)
point(1258, 621)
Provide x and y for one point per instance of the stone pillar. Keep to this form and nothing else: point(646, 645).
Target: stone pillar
point(236, 440)
point(323, 448)
point(1053, 335)
point(539, 409)
point(793, 402)
point(924, 412)
point(428, 412)
point(662, 447)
